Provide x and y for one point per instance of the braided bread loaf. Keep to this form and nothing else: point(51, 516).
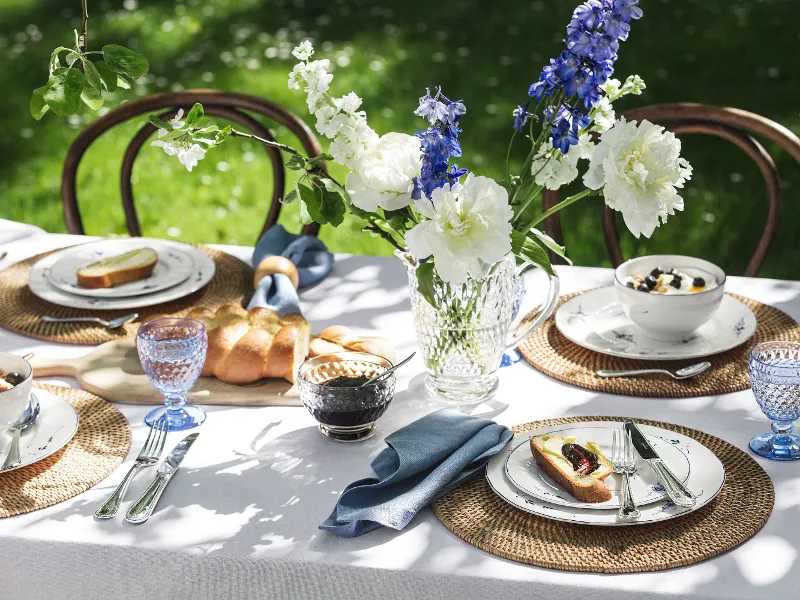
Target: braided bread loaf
point(245, 346)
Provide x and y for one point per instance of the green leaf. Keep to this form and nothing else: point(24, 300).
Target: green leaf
point(530, 251)
point(107, 75)
point(156, 121)
point(38, 105)
point(222, 134)
point(550, 244)
point(92, 74)
point(309, 204)
point(63, 91)
point(425, 286)
point(194, 116)
point(320, 158)
point(124, 82)
point(92, 98)
point(292, 196)
point(332, 208)
point(305, 218)
point(125, 61)
point(296, 163)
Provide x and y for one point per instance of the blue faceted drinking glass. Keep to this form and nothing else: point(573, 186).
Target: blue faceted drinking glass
point(172, 352)
point(774, 370)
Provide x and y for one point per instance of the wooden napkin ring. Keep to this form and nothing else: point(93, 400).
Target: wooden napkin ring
point(276, 264)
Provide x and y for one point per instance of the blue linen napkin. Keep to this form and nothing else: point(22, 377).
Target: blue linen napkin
point(309, 255)
point(424, 460)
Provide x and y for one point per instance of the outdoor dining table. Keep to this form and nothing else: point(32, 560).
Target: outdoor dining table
point(240, 520)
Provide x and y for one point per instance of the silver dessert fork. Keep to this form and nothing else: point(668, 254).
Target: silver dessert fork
point(623, 462)
point(151, 452)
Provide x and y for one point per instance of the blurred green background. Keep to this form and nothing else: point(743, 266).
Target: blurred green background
point(724, 52)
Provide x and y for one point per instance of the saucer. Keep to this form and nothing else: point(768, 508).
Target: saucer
point(595, 320)
point(53, 429)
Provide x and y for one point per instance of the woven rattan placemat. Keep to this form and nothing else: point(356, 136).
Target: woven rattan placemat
point(99, 446)
point(553, 354)
point(21, 310)
point(477, 515)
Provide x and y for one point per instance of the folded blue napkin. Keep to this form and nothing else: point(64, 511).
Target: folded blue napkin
point(309, 255)
point(424, 460)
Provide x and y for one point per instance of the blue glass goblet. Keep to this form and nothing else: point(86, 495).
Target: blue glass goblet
point(774, 370)
point(172, 352)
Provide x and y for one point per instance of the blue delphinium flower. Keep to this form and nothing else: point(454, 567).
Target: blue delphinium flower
point(593, 36)
point(439, 142)
point(521, 117)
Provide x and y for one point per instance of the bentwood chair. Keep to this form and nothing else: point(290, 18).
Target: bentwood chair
point(736, 126)
point(226, 105)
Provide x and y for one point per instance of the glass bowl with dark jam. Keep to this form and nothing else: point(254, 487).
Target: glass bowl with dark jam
point(332, 389)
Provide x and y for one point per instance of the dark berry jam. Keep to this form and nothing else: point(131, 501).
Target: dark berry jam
point(583, 461)
point(346, 381)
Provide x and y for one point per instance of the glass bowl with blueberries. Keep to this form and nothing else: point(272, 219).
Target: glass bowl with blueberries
point(669, 296)
point(335, 389)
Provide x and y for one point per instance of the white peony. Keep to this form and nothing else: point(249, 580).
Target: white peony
point(469, 228)
point(639, 168)
point(552, 169)
point(383, 174)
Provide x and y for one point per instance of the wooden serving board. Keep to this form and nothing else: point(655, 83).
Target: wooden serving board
point(113, 371)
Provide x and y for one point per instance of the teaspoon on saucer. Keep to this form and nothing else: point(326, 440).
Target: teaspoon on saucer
point(684, 373)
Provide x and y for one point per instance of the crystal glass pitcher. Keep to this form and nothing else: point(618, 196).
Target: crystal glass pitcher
point(463, 338)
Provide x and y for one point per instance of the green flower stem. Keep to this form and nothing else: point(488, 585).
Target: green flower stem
point(563, 204)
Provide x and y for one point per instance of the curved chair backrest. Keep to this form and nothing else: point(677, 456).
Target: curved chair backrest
point(734, 125)
point(227, 105)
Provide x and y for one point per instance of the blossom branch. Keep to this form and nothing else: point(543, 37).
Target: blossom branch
point(84, 22)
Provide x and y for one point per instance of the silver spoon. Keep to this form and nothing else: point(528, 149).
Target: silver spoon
point(112, 324)
point(390, 370)
point(684, 373)
point(25, 420)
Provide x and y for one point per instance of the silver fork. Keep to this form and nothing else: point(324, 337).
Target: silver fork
point(622, 461)
point(151, 451)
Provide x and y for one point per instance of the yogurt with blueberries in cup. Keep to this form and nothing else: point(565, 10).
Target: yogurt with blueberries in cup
point(671, 281)
point(669, 296)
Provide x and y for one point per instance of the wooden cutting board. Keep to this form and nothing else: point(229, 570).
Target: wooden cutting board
point(112, 371)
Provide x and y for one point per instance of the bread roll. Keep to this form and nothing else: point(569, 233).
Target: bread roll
point(276, 264)
point(339, 338)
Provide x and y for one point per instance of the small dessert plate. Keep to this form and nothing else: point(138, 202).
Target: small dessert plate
point(596, 320)
point(53, 429)
point(705, 482)
point(524, 473)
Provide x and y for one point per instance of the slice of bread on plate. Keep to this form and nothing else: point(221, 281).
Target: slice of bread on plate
point(580, 470)
point(115, 270)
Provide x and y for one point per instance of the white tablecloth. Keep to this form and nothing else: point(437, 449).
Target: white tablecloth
point(240, 518)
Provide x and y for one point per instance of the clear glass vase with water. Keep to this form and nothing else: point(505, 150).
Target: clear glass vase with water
point(462, 338)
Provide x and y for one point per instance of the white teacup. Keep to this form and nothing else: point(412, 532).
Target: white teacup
point(669, 317)
point(13, 402)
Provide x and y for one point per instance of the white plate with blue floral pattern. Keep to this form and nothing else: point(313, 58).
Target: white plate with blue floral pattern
point(202, 273)
point(174, 266)
point(705, 482)
point(53, 429)
point(595, 320)
point(522, 470)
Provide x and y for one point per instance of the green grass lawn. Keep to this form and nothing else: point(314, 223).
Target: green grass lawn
point(736, 53)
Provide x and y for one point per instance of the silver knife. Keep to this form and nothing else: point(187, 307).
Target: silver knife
point(143, 507)
point(678, 493)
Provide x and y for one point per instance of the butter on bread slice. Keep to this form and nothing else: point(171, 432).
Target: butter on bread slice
point(546, 450)
point(115, 270)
